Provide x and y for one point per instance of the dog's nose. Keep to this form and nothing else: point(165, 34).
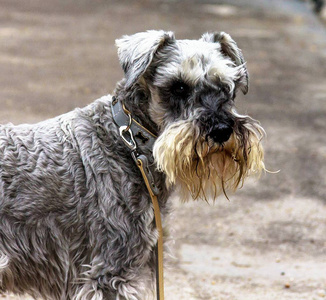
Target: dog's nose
point(221, 132)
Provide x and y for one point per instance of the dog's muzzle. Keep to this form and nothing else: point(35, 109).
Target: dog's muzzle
point(215, 122)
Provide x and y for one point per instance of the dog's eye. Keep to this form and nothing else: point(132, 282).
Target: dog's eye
point(180, 89)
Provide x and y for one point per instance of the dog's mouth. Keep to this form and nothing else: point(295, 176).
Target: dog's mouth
point(204, 167)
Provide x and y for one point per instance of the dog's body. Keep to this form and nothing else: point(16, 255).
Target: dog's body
point(76, 220)
point(68, 208)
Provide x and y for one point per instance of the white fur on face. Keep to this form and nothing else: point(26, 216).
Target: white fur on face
point(197, 61)
point(204, 170)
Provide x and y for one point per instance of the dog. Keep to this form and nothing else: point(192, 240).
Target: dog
point(76, 219)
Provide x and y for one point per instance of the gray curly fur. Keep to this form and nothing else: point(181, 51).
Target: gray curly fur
point(67, 231)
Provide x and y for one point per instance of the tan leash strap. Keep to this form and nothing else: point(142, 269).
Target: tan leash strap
point(158, 222)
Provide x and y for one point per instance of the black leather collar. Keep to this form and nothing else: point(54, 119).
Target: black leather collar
point(122, 117)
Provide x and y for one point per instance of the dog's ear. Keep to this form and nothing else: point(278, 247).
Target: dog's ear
point(230, 49)
point(136, 52)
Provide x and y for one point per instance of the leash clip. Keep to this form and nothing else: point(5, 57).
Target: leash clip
point(124, 131)
point(140, 159)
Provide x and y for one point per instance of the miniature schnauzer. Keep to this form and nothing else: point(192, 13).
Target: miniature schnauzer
point(76, 219)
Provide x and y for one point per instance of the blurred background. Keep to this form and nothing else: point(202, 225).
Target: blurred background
point(269, 241)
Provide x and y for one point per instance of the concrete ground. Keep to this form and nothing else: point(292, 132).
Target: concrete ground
point(269, 241)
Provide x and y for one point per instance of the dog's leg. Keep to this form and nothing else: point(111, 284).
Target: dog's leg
point(125, 290)
point(89, 291)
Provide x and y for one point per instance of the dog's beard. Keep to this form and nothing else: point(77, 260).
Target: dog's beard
point(203, 168)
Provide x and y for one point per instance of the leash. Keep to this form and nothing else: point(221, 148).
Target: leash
point(127, 129)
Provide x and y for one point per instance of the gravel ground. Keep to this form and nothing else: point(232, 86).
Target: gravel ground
point(269, 241)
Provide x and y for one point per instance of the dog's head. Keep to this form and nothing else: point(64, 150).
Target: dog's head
point(190, 88)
